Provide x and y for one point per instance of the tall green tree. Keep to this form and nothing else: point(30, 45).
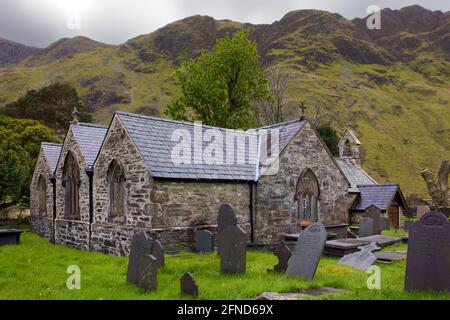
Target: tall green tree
point(330, 137)
point(20, 142)
point(222, 86)
point(52, 106)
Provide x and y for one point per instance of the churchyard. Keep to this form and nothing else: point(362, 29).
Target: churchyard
point(37, 269)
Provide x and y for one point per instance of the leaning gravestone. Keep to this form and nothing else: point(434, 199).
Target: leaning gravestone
point(374, 213)
point(307, 251)
point(428, 258)
point(365, 227)
point(158, 253)
point(384, 224)
point(204, 241)
point(361, 260)
point(188, 285)
point(233, 250)
point(421, 211)
point(283, 254)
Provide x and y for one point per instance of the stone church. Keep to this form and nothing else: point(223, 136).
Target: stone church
point(110, 182)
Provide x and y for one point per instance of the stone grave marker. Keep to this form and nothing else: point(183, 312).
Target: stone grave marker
point(141, 245)
point(411, 213)
point(421, 211)
point(388, 256)
point(384, 224)
point(148, 272)
point(204, 241)
point(188, 285)
point(307, 251)
point(158, 253)
point(365, 227)
point(233, 250)
point(226, 217)
point(361, 260)
point(445, 211)
point(283, 254)
point(374, 213)
point(428, 257)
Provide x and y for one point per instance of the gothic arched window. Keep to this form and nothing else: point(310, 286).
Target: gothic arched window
point(71, 185)
point(42, 196)
point(116, 181)
point(347, 149)
point(307, 196)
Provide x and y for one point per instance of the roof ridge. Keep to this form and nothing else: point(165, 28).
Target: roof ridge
point(186, 123)
point(280, 124)
point(94, 125)
point(51, 144)
point(379, 185)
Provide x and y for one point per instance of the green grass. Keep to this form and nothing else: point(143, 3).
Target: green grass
point(36, 269)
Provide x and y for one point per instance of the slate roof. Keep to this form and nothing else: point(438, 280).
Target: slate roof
point(51, 153)
point(90, 138)
point(379, 195)
point(153, 138)
point(355, 175)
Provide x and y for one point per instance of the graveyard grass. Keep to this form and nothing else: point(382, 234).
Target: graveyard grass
point(36, 269)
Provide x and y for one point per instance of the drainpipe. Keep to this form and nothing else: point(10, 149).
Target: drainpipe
point(90, 174)
point(53, 182)
point(252, 211)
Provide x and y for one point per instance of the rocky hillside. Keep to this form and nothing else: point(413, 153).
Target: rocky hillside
point(390, 85)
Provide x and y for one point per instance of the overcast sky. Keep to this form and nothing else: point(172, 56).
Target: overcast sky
point(41, 22)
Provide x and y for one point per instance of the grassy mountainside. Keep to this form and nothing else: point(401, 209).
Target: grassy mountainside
point(389, 85)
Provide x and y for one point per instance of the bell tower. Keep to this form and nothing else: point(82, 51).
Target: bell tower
point(349, 147)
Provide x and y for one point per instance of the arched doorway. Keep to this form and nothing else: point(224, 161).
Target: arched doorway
point(307, 196)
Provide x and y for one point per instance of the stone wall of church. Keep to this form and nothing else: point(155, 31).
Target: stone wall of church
point(42, 225)
point(70, 232)
point(168, 210)
point(276, 207)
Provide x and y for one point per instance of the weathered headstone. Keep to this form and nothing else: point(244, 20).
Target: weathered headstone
point(388, 256)
point(445, 211)
point(226, 217)
point(421, 211)
point(365, 227)
point(188, 285)
point(204, 241)
point(428, 258)
point(148, 273)
point(361, 260)
point(307, 251)
point(141, 245)
point(411, 213)
point(283, 254)
point(374, 213)
point(384, 224)
point(233, 250)
point(158, 253)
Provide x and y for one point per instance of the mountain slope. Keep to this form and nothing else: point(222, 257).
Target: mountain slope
point(390, 85)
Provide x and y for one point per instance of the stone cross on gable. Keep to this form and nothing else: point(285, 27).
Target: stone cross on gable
point(303, 108)
point(75, 114)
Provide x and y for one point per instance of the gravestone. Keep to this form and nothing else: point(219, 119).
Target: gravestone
point(374, 213)
point(407, 225)
point(421, 211)
point(283, 254)
point(361, 260)
point(204, 241)
point(307, 251)
point(384, 224)
point(445, 211)
point(148, 272)
point(226, 217)
point(143, 245)
point(233, 250)
point(428, 257)
point(389, 256)
point(365, 227)
point(188, 285)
